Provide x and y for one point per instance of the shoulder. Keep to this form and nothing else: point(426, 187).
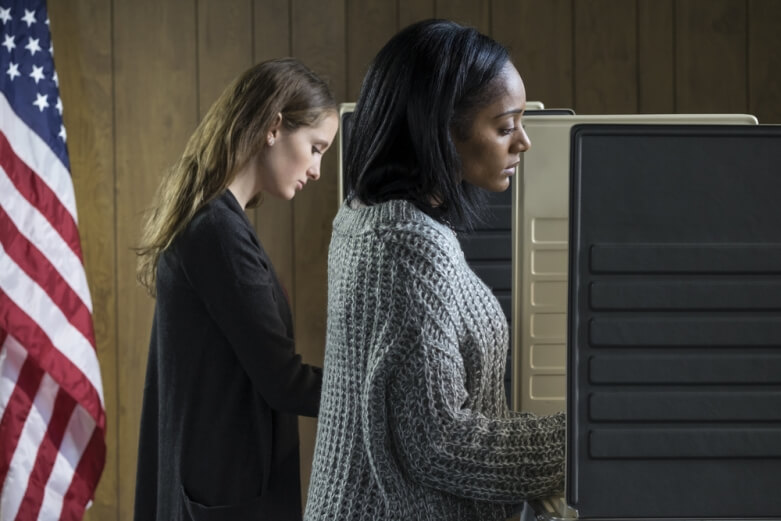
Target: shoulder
point(220, 236)
point(428, 246)
point(220, 217)
point(400, 223)
point(396, 236)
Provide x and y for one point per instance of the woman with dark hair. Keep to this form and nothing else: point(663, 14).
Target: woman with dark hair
point(413, 422)
point(224, 386)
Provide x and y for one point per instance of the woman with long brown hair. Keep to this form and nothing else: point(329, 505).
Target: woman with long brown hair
point(224, 386)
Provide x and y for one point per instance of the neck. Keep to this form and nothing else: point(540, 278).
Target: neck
point(244, 186)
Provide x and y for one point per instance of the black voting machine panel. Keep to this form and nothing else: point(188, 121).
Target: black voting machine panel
point(674, 361)
point(487, 249)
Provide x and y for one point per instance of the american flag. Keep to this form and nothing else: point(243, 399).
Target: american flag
point(52, 416)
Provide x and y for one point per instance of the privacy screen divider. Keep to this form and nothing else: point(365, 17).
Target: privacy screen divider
point(674, 322)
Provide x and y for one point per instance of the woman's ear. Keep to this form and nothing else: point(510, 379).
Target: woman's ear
point(275, 125)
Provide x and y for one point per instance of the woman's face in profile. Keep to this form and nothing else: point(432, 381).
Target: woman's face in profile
point(294, 157)
point(496, 138)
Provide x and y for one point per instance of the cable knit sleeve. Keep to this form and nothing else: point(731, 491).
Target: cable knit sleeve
point(441, 404)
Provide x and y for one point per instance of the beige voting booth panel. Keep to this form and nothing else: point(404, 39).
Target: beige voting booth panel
point(540, 254)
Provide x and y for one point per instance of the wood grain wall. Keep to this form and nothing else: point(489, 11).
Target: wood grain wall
point(136, 76)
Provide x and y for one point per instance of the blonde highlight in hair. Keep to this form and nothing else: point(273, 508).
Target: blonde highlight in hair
point(230, 134)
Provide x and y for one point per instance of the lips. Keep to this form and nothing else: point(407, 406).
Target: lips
point(510, 170)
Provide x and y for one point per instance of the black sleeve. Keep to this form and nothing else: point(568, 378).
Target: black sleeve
point(223, 263)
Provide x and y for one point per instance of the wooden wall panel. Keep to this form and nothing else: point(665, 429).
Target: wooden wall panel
point(370, 24)
point(411, 11)
point(655, 56)
point(605, 56)
point(538, 34)
point(81, 34)
point(710, 39)
point(224, 46)
point(322, 46)
point(474, 13)
point(274, 218)
point(764, 60)
point(156, 111)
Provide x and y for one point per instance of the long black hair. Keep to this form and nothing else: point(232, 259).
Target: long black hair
point(425, 84)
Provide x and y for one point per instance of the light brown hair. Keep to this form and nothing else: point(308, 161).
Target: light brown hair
point(230, 134)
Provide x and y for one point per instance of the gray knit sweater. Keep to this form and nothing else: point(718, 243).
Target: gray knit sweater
point(413, 422)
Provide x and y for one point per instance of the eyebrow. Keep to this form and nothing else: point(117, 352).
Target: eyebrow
point(513, 111)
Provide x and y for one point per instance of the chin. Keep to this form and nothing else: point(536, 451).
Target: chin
point(284, 196)
point(289, 194)
point(501, 186)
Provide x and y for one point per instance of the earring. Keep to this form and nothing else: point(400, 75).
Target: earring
point(270, 140)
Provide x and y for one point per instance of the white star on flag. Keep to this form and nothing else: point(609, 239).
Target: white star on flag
point(40, 102)
point(33, 46)
point(13, 70)
point(63, 135)
point(29, 17)
point(5, 14)
point(58, 106)
point(56, 79)
point(8, 42)
point(37, 74)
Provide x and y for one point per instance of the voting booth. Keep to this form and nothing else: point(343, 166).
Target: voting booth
point(674, 344)
point(638, 261)
point(540, 251)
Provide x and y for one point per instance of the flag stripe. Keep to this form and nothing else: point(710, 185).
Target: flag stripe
point(47, 455)
point(78, 434)
point(47, 316)
point(24, 456)
point(16, 411)
point(66, 371)
point(38, 231)
point(40, 270)
point(39, 195)
point(85, 479)
point(12, 357)
point(34, 151)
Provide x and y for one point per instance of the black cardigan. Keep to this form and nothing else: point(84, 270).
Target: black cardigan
point(219, 427)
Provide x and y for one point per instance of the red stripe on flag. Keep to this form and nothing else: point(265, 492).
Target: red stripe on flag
point(47, 455)
point(37, 267)
point(85, 479)
point(58, 366)
point(40, 195)
point(3, 334)
point(15, 414)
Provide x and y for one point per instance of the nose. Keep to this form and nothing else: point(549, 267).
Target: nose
point(313, 172)
point(523, 143)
